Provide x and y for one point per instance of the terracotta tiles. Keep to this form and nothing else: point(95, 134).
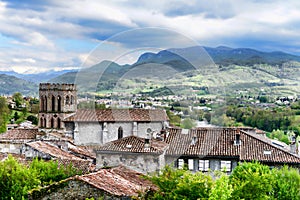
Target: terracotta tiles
point(219, 142)
point(135, 145)
point(52, 150)
point(118, 181)
point(112, 115)
point(20, 134)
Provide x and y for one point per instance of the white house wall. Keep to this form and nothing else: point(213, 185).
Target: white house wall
point(88, 133)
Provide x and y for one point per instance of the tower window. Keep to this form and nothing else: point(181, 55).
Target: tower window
point(58, 123)
point(72, 100)
point(67, 100)
point(52, 122)
point(120, 132)
point(53, 103)
point(58, 103)
point(42, 122)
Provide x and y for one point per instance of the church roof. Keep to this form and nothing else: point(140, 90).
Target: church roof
point(220, 142)
point(113, 115)
point(133, 144)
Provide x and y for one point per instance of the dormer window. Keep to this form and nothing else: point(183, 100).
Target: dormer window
point(237, 140)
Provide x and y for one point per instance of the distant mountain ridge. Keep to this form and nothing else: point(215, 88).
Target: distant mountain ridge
point(11, 84)
point(110, 71)
point(37, 77)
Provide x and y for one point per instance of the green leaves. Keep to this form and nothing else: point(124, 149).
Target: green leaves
point(247, 181)
point(17, 179)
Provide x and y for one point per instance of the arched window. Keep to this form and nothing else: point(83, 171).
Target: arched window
point(58, 103)
point(67, 100)
point(42, 101)
point(42, 122)
point(72, 100)
point(53, 103)
point(120, 132)
point(45, 103)
point(58, 123)
point(52, 122)
point(45, 124)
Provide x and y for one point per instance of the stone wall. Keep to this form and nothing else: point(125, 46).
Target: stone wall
point(141, 162)
point(143, 126)
point(10, 147)
point(69, 190)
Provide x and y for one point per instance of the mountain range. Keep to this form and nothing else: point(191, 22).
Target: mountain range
point(180, 60)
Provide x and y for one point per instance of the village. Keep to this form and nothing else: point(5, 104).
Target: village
point(131, 140)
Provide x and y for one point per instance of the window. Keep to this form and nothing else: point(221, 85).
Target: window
point(67, 100)
point(52, 122)
point(180, 163)
point(120, 132)
point(53, 103)
point(45, 123)
point(72, 100)
point(203, 165)
point(191, 164)
point(42, 122)
point(58, 123)
point(58, 103)
point(226, 165)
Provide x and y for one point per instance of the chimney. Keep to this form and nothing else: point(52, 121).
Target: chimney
point(293, 145)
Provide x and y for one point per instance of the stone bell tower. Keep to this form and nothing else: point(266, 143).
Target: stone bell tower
point(57, 101)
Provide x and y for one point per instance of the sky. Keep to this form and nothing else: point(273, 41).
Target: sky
point(37, 36)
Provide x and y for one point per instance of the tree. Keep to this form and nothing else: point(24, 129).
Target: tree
point(17, 98)
point(188, 123)
point(221, 189)
point(181, 184)
point(251, 181)
point(4, 113)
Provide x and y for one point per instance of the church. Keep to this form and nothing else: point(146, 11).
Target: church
point(58, 111)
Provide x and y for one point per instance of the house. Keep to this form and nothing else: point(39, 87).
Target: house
point(13, 140)
point(48, 151)
point(97, 127)
point(141, 154)
point(115, 183)
point(200, 149)
point(205, 149)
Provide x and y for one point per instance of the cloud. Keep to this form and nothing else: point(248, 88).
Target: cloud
point(58, 33)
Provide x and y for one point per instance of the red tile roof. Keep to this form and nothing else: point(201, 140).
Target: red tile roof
point(112, 115)
point(20, 134)
point(119, 181)
point(219, 142)
point(133, 144)
point(52, 150)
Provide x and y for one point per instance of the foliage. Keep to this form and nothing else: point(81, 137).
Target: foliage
point(17, 98)
point(287, 182)
point(251, 181)
point(280, 135)
point(181, 184)
point(188, 123)
point(4, 113)
point(247, 181)
point(267, 120)
point(17, 179)
point(33, 119)
point(221, 189)
point(174, 119)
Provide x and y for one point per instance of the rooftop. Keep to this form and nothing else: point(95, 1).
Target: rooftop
point(134, 144)
point(20, 134)
point(219, 142)
point(112, 115)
